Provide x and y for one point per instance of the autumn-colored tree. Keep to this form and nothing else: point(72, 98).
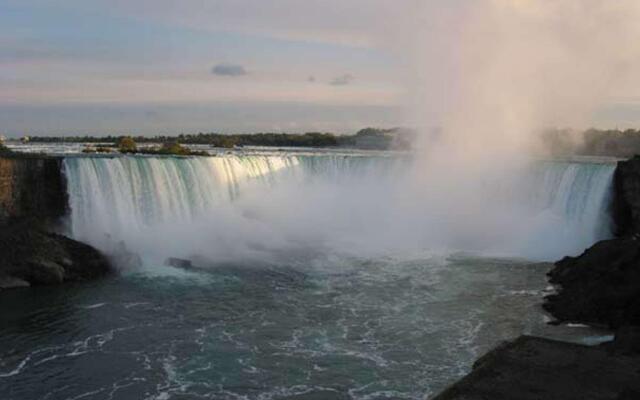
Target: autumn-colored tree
point(126, 144)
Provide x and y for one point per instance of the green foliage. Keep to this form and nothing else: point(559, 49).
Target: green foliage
point(227, 143)
point(4, 150)
point(592, 142)
point(174, 148)
point(375, 132)
point(126, 144)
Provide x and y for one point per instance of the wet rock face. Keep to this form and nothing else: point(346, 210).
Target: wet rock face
point(32, 187)
point(33, 196)
point(601, 286)
point(30, 256)
point(626, 197)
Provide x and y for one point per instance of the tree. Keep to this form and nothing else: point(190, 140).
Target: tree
point(174, 148)
point(126, 144)
point(4, 150)
point(227, 143)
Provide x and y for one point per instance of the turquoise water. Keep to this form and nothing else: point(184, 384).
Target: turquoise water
point(337, 329)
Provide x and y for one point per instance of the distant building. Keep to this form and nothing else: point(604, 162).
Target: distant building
point(2, 138)
point(25, 139)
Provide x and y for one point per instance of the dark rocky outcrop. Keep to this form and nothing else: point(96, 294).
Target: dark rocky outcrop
point(531, 368)
point(33, 256)
point(33, 197)
point(178, 263)
point(32, 187)
point(601, 286)
point(626, 341)
point(626, 197)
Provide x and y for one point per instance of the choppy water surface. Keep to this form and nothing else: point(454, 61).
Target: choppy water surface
point(351, 328)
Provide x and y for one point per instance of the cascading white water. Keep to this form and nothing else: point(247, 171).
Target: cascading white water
point(181, 206)
point(571, 203)
point(124, 194)
point(579, 192)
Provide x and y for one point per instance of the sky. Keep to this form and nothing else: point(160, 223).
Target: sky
point(185, 66)
point(164, 66)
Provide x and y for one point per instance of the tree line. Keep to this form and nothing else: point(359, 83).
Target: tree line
point(593, 142)
point(308, 139)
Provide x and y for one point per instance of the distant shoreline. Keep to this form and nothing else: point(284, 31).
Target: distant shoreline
point(367, 138)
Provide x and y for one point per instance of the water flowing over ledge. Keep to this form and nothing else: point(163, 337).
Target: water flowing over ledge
point(548, 208)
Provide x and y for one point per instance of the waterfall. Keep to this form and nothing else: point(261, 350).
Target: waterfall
point(265, 201)
point(571, 203)
point(580, 192)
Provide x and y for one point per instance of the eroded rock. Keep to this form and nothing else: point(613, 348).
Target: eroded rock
point(601, 286)
point(31, 254)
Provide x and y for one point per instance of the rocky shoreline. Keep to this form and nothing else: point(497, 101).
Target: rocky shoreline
point(600, 287)
point(33, 200)
point(31, 256)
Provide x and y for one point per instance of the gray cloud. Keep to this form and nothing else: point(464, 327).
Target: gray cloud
point(342, 80)
point(228, 70)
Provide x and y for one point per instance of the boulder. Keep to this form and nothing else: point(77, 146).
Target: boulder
point(178, 263)
point(627, 340)
point(601, 286)
point(10, 282)
point(32, 255)
point(44, 272)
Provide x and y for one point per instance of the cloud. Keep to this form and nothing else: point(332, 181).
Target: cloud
point(229, 70)
point(342, 80)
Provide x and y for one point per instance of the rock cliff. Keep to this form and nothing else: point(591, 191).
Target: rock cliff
point(33, 197)
point(32, 187)
point(626, 197)
point(601, 286)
